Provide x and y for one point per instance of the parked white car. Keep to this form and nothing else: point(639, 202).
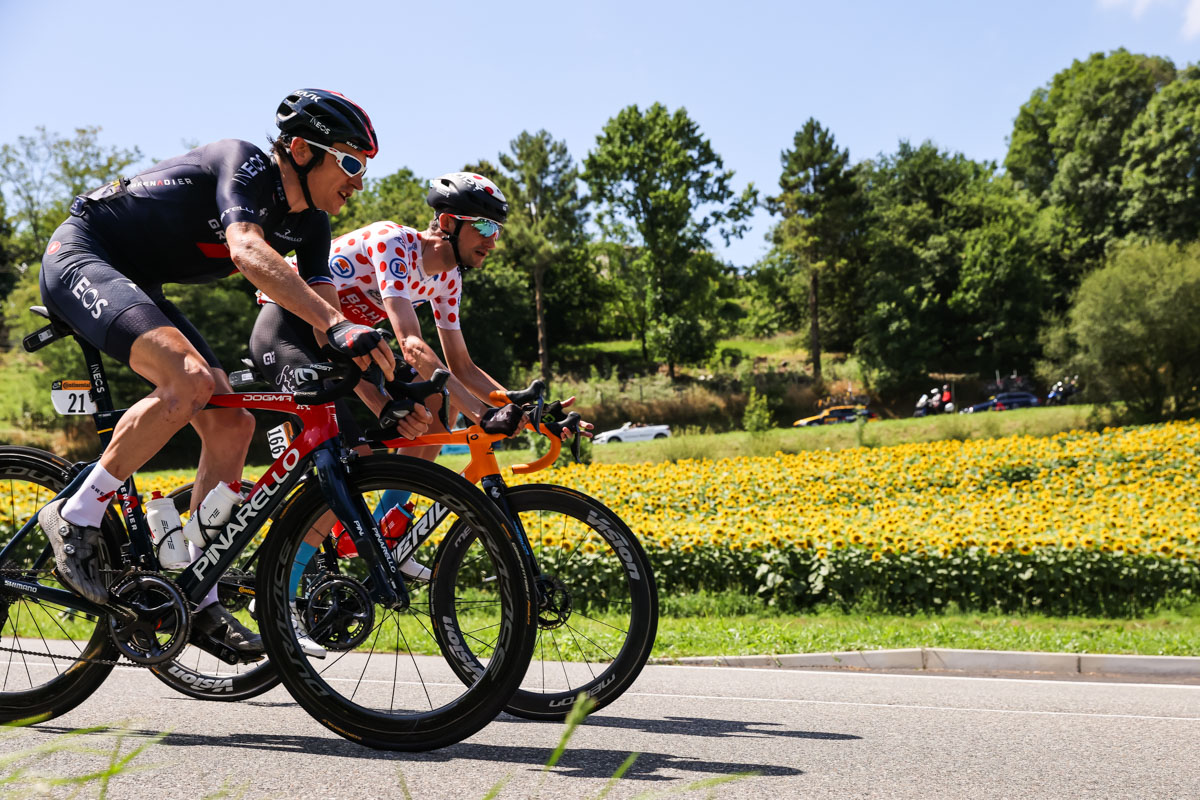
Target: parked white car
point(633, 432)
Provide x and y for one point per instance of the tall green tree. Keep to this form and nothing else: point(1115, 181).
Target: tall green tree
point(661, 189)
point(1066, 143)
point(545, 218)
point(819, 204)
point(918, 216)
point(1005, 285)
point(41, 174)
point(1133, 333)
point(1161, 153)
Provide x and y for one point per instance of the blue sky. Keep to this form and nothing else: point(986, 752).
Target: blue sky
point(448, 83)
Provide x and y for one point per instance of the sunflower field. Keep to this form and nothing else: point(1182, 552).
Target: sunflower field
point(1077, 523)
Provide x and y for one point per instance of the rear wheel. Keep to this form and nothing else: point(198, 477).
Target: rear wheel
point(597, 625)
point(383, 681)
point(52, 655)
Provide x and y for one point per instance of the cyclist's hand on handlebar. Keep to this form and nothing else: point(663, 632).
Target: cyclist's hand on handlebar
point(410, 420)
point(585, 428)
point(507, 419)
point(363, 344)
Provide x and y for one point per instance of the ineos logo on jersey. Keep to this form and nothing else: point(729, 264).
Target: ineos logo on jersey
point(252, 166)
point(88, 295)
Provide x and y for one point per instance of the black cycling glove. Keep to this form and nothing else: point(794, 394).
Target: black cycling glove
point(504, 420)
point(394, 411)
point(351, 339)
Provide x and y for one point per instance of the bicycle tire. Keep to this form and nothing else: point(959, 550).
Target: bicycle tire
point(197, 674)
point(29, 478)
point(538, 505)
point(370, 703)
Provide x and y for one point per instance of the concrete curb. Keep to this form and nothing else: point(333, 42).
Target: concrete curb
point(940, 659)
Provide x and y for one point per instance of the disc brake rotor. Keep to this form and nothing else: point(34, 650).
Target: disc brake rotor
point(554, 606)
point(235, 590)
point(339, 614)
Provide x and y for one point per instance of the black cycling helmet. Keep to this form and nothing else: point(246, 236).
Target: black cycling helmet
point(327, 118)
point(468, 194)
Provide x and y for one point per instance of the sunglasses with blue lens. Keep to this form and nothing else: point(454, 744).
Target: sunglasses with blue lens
point(487, 228)
point(352, 165)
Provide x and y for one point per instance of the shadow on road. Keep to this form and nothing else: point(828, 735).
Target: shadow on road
point(579, 762)
point(703, 726)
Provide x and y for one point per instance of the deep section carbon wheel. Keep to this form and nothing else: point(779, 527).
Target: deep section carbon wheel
point(51, 657)
point(394, 690)
point(597, 602)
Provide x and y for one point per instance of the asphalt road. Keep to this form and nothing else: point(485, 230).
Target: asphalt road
point(805, 734)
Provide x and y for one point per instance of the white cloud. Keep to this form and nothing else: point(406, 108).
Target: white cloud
point(1137, 7)
point(1191, 11)
point(1191, 20)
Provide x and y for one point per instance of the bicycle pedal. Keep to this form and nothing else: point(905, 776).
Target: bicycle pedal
point(218, 649)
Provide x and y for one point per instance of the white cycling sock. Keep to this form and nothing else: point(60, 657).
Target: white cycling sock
point(210, 598)
point(87, 506)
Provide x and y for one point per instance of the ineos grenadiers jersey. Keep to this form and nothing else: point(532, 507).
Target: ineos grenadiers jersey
point(384, 260)
point(167, 224)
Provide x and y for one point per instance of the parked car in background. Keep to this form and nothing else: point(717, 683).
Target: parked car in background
point(1004, 401)
point(835, 414)
point(633, 432)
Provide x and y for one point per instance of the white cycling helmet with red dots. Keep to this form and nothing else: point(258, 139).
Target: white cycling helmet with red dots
point(467, 194)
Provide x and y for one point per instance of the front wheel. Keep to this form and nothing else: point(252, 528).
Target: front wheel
point(599, 604)
point(381, 679)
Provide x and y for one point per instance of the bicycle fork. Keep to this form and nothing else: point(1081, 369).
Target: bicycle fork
point(387, 583)
point(497, 491)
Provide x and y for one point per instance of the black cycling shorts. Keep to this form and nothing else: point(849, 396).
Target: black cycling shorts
point(82, 286)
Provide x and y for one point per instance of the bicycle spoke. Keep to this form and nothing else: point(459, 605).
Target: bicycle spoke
point(592, 642)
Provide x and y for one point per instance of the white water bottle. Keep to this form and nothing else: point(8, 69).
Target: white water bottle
point(166, 529)
point(213, 512)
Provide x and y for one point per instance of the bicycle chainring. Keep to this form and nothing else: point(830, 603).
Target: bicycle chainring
point(339, 614)
point(163, 620)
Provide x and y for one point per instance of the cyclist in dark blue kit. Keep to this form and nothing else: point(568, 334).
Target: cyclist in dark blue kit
point(195, 218)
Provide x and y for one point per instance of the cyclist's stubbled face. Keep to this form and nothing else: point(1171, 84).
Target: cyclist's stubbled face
point(473, 248)
point(329, 185)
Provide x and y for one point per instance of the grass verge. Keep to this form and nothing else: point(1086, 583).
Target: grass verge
point(881, 433)
point(727, 626)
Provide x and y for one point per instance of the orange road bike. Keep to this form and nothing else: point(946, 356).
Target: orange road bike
point(597, 604)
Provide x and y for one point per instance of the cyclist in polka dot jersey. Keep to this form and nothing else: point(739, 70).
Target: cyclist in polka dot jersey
point(384, 271)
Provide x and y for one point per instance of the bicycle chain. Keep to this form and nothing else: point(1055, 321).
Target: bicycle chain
point(120, 662)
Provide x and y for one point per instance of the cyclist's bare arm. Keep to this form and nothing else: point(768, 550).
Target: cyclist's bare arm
point(421, 357)
point(268, 271)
